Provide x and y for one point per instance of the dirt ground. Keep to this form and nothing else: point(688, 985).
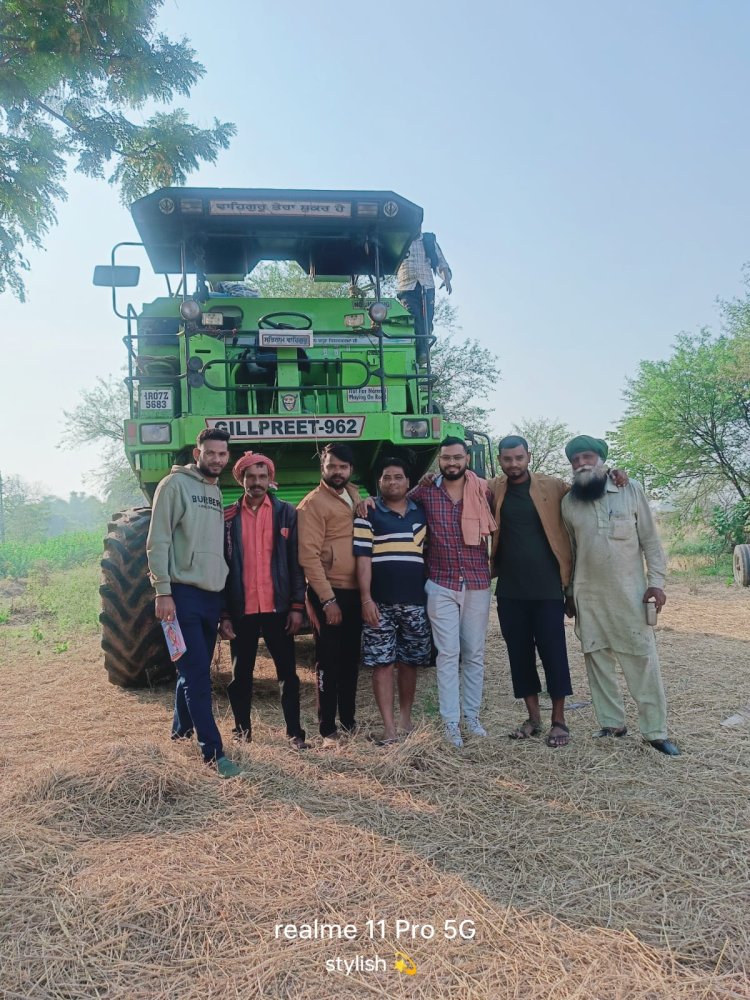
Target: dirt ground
point(602, 870)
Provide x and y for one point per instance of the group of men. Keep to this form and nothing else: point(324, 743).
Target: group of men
point(390, 580)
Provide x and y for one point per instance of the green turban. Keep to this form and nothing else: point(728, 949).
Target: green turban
point(584, 442)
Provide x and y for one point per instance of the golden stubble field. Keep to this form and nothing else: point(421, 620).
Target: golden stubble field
point(602, 870)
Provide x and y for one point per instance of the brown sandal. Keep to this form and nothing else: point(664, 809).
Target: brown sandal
point(558, 741)
point(526, 730)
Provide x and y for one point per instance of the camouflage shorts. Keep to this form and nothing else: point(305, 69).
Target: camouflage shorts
point(403, 636)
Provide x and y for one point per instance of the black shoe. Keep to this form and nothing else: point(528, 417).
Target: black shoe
point(298, 743)
point(667, 747)
point(242, 735)
point(188, 735)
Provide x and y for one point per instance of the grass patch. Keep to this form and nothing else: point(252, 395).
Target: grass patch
point(18, 559)
point(698, 554)
point(69, 598)
point(427, 701)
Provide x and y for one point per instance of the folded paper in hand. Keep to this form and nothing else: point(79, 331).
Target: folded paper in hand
point(175, 641)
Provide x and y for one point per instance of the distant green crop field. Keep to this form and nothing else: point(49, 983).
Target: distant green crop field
point(74, 549)
point(69, 598)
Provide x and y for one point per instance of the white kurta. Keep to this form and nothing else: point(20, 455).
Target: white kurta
point(610, 538)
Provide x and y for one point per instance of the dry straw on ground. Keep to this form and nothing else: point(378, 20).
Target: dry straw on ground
point(600, 871)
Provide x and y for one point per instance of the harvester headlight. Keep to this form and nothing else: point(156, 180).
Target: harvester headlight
point(415, 428)
point(354, 320)
point(378, 312)
point(190, 310)
point(156, 433)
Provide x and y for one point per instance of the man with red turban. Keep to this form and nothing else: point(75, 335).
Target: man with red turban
point(265, 593)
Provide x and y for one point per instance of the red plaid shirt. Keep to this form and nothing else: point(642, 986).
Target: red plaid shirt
point(451, 563)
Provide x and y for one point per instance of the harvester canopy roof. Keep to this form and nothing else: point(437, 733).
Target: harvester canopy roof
point(227, 231)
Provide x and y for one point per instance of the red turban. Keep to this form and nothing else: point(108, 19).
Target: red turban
point(253, 458)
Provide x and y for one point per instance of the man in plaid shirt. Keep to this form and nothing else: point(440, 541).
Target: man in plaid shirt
point(458, 593)
point(416, 287)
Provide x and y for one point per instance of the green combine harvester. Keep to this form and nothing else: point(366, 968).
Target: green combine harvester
point(283, 375)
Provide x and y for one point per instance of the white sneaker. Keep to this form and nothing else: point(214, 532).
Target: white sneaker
point(475, 727)
point(452, 734)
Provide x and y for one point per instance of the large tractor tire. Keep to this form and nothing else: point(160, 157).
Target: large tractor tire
point(135, 653)
point(742, 565)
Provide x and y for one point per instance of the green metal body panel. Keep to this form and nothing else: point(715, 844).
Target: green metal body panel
point(319, 370)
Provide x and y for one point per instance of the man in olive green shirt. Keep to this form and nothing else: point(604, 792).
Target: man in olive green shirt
point(185, 550)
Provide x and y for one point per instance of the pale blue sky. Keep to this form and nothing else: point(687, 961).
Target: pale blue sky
point(584, 164)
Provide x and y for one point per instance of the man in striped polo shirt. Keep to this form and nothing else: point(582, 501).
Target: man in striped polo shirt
point(389, 545)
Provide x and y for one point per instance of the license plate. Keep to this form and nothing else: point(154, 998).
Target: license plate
point(155, 400)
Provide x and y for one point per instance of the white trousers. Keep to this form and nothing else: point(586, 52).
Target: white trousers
point(643, 677)
point(459, 628)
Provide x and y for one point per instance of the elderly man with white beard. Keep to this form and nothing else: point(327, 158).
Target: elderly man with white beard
point(612, 531)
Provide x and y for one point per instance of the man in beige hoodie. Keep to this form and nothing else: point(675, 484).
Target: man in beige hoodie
point(185, 550)
point(325, 525)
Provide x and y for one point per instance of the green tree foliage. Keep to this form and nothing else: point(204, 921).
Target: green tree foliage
point(69, 73)
point(98, 419)
point(286, 279)
point(547, 440)
point(730, 523)
point(24, 517)
point(29, 515)
point(465, 374)
point(686, 429)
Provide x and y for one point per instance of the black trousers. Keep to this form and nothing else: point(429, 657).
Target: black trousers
point(244, 651)
point(420, 302)
point(528, 626)
point(337, 654)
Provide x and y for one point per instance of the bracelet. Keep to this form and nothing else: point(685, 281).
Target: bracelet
point(325, 604)
point(365, 603)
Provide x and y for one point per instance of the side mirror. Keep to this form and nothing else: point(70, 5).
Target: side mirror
point(116, 276)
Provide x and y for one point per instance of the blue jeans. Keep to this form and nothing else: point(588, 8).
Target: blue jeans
point(420, 302)
point(198, 614)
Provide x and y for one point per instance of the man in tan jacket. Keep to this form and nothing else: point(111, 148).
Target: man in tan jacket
point(325, 524)
point(531, 557)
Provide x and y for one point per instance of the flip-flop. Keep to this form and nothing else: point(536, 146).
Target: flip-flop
point(553, 741)
point(380, 741)
point(521, 734)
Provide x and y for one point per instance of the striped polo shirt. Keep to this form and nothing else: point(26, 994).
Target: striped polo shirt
point(395, 543)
